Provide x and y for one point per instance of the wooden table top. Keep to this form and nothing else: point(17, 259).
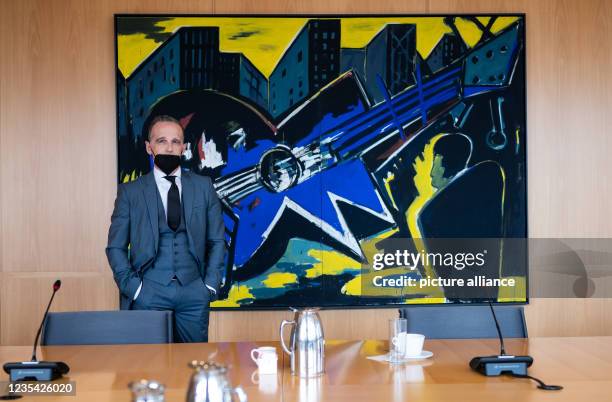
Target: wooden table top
point(582, 365)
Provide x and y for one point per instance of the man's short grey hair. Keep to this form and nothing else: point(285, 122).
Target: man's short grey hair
point(163, 118)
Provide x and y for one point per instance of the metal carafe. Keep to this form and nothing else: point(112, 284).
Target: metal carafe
point(209, 383)
point(307, 343)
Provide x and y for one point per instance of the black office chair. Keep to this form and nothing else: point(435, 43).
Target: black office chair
point(465, 322)
point(107, 327)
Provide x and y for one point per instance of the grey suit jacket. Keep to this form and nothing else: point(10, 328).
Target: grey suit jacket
point(134, 223)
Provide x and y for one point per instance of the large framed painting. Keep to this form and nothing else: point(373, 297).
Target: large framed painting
point(336, 141)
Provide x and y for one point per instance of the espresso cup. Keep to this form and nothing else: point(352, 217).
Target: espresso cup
point(409, 345)
point(265, 358)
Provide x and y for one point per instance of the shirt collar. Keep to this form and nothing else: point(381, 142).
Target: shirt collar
point(159, 175)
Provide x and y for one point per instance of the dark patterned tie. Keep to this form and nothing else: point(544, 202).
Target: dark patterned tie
point(174, 204)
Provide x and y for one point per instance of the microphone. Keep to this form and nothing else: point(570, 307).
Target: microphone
point(502, 348)
point(515, 366)
point(35, 370)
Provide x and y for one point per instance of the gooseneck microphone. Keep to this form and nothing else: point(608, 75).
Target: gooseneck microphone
point(515, 366)
point(502, 348)
point(56, 287)
point(35, 370)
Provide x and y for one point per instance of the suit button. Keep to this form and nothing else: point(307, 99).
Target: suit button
point(176, 253)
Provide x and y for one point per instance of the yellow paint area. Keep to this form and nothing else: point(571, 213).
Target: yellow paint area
point(358, 32)
point(279, 279)
point(130, 177)
point(390, 177)
point(516, 293)
point(502, 22)
point(264, 40)
point(517, 135)
point(352, 287)
point(471, 34)
point(426, 300)
point(132, 50)
point(503, 201)
point(237, 293)
point(422, 180)
point(469, 31)
point(423, 166)
point(335, 263)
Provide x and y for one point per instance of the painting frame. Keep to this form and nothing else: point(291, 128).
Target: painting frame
point(521, 16)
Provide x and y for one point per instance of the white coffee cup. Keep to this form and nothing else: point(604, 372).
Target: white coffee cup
point(266, 359)
point(408, 345)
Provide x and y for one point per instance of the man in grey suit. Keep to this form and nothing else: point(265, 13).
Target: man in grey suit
point(166, 239)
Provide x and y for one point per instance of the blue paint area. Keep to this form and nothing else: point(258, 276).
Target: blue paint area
point(352, 181)
point(410, 94)
point(431, 99)
point(331, 124)
point(242, 159)
point(452, 93)
point(389, 104)
point(258, 210)
point(421, 97)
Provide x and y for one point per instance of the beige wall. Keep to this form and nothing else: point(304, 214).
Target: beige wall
point(58, 150)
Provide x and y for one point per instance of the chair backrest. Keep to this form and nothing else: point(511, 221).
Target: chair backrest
point(107, 327)
point(465, 322)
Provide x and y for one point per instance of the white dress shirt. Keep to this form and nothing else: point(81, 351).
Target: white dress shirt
point(163, 186)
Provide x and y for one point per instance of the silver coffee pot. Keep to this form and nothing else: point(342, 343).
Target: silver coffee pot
point(209, 383)
point(307, 343)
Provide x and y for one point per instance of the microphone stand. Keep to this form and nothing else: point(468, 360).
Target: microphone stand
point(35, 370)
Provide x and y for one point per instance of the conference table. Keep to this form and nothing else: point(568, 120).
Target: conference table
point(583, 365)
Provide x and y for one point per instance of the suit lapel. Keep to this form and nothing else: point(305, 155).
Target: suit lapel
point(150, 196)
point(188, 193)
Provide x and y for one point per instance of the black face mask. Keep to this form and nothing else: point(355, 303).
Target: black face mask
point(167, 163)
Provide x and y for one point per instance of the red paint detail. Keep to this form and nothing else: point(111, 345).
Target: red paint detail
point(391, 149)
point(201, 153)
point(254, 203)
point(185, 120)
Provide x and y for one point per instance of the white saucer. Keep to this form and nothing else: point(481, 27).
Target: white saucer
point(425, 354)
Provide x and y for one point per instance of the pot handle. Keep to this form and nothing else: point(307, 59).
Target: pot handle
point(285, 322)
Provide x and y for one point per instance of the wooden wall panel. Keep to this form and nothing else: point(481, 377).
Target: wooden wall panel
point(58, 150)
point(25, 296)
